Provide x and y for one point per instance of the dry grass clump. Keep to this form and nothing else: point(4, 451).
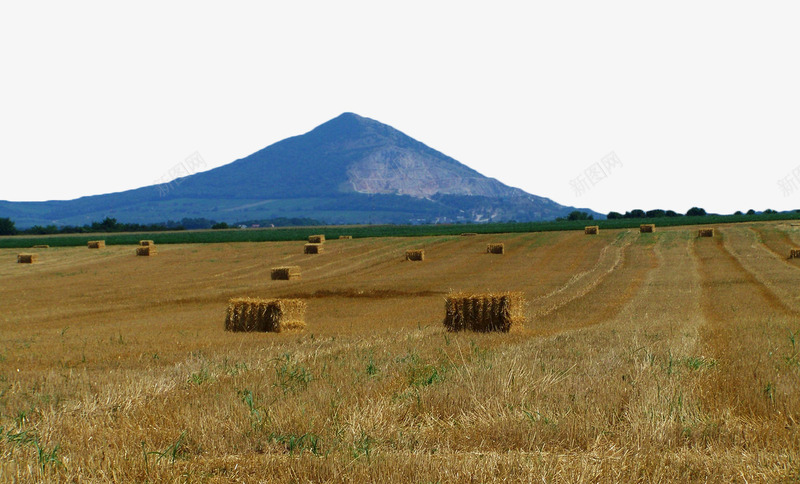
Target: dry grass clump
point(316, 239)
point(146, 250)
point(469, 234)
point(41, 246)
point(265, 315)
point(415, 255)
point(484, 312)
point(495, 248)
point(591, 230)
point(27, 258)
point(705, 233)
point(313, 249)
point(647, 228)
point(96, 244)
point(794, 253)
point(345, 237)
point(285, 273)
point(145, 243)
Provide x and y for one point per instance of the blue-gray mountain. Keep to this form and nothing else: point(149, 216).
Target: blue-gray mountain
point(349, 170)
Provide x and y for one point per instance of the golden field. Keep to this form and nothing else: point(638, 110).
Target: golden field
point(661, 357)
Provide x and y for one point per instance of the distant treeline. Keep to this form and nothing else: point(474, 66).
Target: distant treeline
point(110, 225)
point(658, 213)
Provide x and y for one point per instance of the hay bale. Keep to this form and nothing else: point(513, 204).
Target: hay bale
point(145, 243)
point(647, 228)
point(591, 230)
point(285, 273)
point(705, 233)
point(27, 258)
point(96, 244)
point(794, 254)
point(316, 239)
point(484, 312)
point(146, 250)
point(415, 255)
point(313, 249)
point(40, 247)
point(345, 237)
point(265, 315)
point(469, 234)
point(495, 249)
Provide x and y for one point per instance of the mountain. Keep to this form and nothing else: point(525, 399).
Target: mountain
point(350, 169)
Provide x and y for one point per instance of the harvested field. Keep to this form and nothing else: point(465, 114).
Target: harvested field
point(659, 357)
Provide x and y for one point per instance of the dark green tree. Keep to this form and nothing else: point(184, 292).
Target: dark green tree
point(658, 213)
point(578, 215)
point(7, 227)
point(751, 212)
point(613, 215)
point(696, 212)
point(672, 213)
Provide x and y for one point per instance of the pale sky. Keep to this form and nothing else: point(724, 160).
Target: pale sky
point(699, 101)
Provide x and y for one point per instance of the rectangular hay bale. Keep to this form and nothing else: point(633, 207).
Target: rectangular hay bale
point(647, 228)
point(41, 246)
point(705, 233)
point(591, 230)
point(96, 244)
point(265, 315)
point(469, 234)
point(27, 258)
point(345, 237)
point(146, 250)
point(285, 273)
point(495, 249)
point(415, 255)
point(504, 312)
point(313, 249)
point(145, 243)
point(316, 239)
point(794, 254)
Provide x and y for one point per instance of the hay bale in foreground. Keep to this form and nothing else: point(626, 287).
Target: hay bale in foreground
point(705, 233)
point(146, 250)
point(285, 273)
point(313, 249)
point(145, 243)
point(265, 315)
point(794, 254)
point(316, 239)
point(41, 246)
point(415, 255)
point(591, 230)
point(484, 312)
point(96, 244)
point(345, 237)
point(469, 234)
point(495, 249)
point(27, 258)
point(647, 228)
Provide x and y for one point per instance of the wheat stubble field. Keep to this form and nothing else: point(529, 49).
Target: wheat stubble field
point(646, 357)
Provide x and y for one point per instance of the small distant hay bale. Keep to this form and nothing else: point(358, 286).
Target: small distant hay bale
point(146, 250)
point(145, 243)
point(647, 228)
point(313, 249)
point(265, 315)
point(345, 237)
point(415, 255)
point(316, 239)
point(27, 258)
point(591, 230)
point(705, 233)
point(495, 249)
point(469, 234)
point(486, 312)
point(794, 254)
point(285, 273)
point(41, 246)
point(96, 244)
